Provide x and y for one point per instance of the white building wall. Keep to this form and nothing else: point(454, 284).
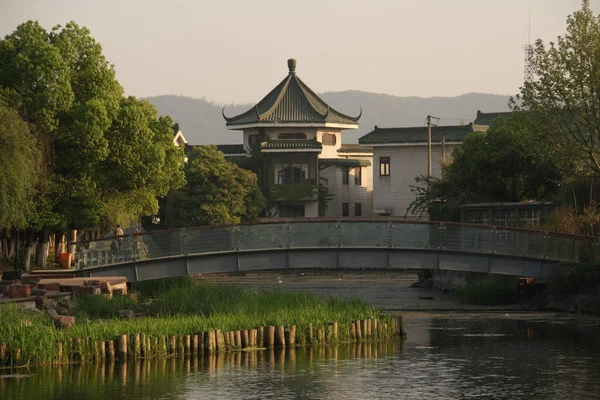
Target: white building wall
point(311, 209)
point(350, 193)
point(330, 151)
point(393, 192)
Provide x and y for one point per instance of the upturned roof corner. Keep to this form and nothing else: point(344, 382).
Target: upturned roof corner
point(292, 102)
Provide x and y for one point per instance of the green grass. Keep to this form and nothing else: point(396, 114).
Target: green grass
point(177, 308)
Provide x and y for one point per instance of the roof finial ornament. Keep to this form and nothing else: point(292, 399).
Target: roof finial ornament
point(292, 66)
point(223, 114)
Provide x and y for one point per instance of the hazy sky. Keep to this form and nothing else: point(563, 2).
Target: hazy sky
point(236, 51)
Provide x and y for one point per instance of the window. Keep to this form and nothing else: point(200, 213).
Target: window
point(252, 140)
point(292, 136)
point(295, 173)
point(357, 210)
point(291, 210)
point(329, 139)
point(358, 176)
point(384, 166)
point(345, 175)
point(345, 209)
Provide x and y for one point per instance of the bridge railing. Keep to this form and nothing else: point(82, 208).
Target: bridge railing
point(474, 239)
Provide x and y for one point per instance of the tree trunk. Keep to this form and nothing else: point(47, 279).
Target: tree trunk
point(16, 238)
point(59, 244)
point(29, 247)
point(72, 238)
point(42, 249)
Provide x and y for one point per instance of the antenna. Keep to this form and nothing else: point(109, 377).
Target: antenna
point(528, 48)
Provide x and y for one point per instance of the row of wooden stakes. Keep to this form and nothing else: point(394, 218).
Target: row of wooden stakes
point(136, 346)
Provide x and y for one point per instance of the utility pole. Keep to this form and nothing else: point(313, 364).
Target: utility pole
point(429, 172)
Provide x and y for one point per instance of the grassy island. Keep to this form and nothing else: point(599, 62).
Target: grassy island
point(173, 309)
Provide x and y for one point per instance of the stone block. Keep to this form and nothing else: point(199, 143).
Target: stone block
point(64, 322)
point(126, 314)
point(86, 290)
point(51, 286)
point(19, 290)
point(30, 280)
point(94, 282)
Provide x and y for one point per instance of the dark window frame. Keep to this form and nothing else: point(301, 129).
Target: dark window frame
point(384, 166)
point(331, 139)
point(358, 209)
point(358, 176)
point(345, 175)
point(345, 209)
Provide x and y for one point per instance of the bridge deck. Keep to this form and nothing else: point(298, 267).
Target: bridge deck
point(336, 244)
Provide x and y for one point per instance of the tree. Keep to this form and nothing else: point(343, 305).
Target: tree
point(489, 167)
point(562, 105)
point(217, 192)
point(19, 162)
point(103, 158)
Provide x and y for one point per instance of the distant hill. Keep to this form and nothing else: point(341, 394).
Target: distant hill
point(201, 121)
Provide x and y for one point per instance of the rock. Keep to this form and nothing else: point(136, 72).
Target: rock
point(38, 292)
point(30, 280)
point(19, 290)
point(126, 314)
point(65, 307)
point(11, 275)
point(52, 313)
point(64, 322)
point(40, 300)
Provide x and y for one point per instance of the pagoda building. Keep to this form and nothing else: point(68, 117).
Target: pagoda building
point(298, 138)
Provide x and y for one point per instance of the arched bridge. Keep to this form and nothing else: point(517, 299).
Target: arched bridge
point(328, 243)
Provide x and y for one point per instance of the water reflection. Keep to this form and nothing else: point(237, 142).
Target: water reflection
point(442, 358)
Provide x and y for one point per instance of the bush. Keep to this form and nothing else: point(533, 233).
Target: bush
point(487, 292)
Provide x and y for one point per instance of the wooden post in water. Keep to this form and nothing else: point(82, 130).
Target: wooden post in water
point(231, 339)
point(245, 338)
point(335, 332)
point(311, 334)
point(260, 336)
point(4, 352)
point(353, 331)
point(253, 336)
point(187, 344)
point(375, 328)
point(363, 328)
point(357, 324)
point(238, 339)
point(280, 336)
point(271, 336)
point(110, 350)
point(320, 335)
point(173, 346)
point(221, 341)
point(370, 328)
point(292, 336)
point(123, 347)
point(400, 326)
point(59, 352)
point(136, 347)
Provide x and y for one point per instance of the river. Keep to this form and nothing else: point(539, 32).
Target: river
point(463, 353)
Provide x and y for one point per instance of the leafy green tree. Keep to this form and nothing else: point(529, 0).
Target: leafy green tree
point(562, 103)
point(19, 163)
point(142, 163)
point(102, 158)
point(217, 192)
point(488, 167)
